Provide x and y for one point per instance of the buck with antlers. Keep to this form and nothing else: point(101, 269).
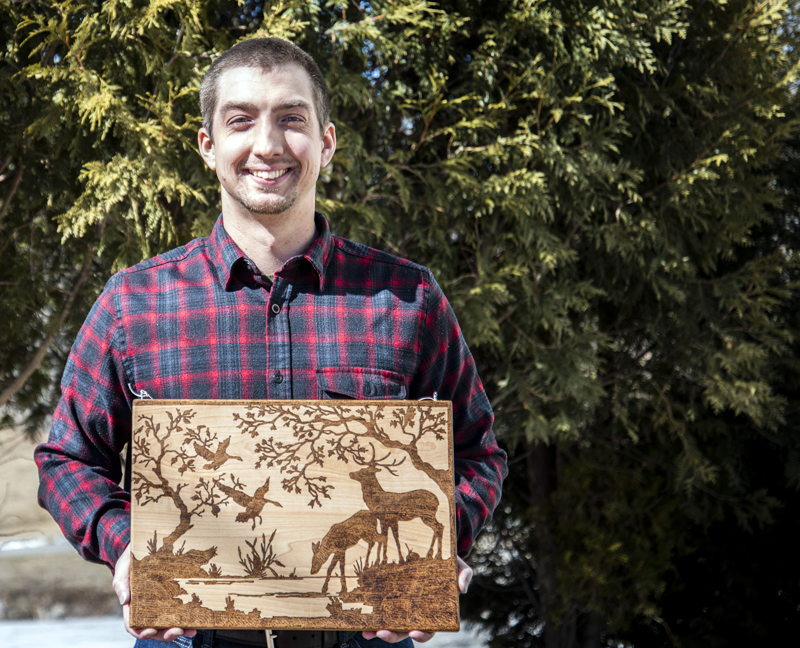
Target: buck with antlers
point(392, 508)
point(343, 535)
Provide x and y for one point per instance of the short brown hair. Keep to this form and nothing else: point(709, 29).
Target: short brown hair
point(263, 53)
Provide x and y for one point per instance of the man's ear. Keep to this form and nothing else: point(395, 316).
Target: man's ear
point(206, 145)
point(328, 144)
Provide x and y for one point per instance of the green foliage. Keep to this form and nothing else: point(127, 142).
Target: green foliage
point(736, 587)
point(99, 110)
point(591, 184)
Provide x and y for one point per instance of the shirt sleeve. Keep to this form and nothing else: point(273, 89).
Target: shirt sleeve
point(79, 466)
point(447, 367)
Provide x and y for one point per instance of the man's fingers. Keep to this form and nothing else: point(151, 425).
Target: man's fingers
point(173, 633)
point(139, 633)
point(126, 613)
point(393, 637)
point(386, 635)
point(464, 577)
point(421, 637)
point(168, 634)
point(122, 586)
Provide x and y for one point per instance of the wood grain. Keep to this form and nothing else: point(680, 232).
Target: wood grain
point(334, 514)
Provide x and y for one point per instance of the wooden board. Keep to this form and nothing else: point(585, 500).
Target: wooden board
point(335, 514)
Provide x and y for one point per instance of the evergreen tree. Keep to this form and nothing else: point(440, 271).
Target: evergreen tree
point(740, 586)
point(587, 181)
point(98, 165)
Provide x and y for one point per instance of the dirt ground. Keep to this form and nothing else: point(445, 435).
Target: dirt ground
point(41, 576)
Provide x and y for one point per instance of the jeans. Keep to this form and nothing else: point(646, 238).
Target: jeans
point(205, 639)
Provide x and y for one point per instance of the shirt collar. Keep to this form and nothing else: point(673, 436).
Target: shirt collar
point(319, 252)
point(225, 253)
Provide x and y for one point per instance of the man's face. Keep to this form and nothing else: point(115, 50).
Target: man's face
point(267, 149)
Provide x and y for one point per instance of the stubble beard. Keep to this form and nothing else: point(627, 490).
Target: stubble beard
point(268, 208)
point(256, 204)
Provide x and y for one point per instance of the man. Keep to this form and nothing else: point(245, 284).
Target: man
point(271, 305)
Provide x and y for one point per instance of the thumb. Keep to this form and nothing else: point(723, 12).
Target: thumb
point(122, 577)
point(464, 575)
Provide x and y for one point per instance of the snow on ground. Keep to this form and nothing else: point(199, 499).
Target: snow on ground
point(463, 639)
point(86, 632)
point(107, 632)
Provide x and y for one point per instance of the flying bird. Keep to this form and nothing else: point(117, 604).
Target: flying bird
point(216, 458)
point(252, 505)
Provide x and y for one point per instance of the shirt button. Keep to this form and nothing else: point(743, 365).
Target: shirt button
point(278, 377)
point(276, 309)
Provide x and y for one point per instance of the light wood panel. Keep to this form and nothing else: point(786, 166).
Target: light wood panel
point(335, 514)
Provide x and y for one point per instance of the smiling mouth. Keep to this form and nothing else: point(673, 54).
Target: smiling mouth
point(270, 175)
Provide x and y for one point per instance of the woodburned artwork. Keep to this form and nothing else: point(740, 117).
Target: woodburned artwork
point(334, 514)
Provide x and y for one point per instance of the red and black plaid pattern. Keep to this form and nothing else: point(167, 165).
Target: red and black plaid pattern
point(341, 320)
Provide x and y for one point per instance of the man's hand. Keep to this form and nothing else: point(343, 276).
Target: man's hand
point(122, 586)
point(464, 577)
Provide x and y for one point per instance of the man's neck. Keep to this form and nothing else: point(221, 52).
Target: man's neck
point(270, 240)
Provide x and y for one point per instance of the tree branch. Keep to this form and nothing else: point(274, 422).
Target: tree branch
point(12, 191)
point(44, 347)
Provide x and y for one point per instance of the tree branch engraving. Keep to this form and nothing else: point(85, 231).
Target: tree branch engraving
point(342, 432)
point(157, 448)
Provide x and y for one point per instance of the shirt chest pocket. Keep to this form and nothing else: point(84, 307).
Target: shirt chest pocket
point(360, 383)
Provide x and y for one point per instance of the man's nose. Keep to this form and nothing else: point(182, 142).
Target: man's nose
point(268, 139)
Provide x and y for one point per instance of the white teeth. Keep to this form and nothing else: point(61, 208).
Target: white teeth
point(269, 175)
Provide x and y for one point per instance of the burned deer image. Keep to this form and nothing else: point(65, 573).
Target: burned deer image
point(216, 547)
point(392, 508)
point(361, 526)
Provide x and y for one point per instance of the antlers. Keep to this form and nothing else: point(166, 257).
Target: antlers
point(374, 462)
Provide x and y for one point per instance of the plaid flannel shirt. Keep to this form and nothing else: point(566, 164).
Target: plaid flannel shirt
point(340, 320)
